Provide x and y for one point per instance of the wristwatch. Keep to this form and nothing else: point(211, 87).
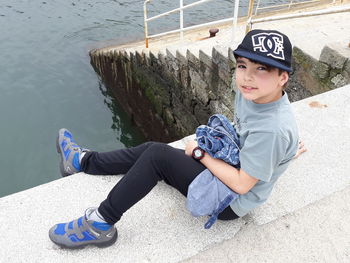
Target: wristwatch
point(198, 153)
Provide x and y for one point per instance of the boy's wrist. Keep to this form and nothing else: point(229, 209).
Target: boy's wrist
point(198, 153)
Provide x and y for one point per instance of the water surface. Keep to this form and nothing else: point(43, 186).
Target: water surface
point(46, 82)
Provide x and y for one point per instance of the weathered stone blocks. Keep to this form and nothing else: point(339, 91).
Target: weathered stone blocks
point(321, 70)
point(332, 58)
point(169, 94)
point(339, 81)
point(311, 77)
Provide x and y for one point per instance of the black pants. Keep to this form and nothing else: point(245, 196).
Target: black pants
point(143, 167)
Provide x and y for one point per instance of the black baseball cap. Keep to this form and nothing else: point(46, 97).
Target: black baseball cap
point(269, 47)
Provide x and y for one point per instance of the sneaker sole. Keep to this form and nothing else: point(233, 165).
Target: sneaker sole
point(99, 245)
point(58, 148)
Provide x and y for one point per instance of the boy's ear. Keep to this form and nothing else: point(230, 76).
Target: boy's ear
point(284, 77)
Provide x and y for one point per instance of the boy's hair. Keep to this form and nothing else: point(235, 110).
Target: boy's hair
point(268, 67)
point(267, 47)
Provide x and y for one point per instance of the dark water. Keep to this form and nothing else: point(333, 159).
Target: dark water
point(46, 81)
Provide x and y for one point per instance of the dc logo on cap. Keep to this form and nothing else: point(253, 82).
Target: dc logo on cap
point(269, 43)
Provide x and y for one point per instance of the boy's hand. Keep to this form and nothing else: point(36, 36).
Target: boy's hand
point(301, 149)
point(189, 147)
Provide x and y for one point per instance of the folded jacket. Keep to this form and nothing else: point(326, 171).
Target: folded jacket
point(219, 139)
point(207, 195)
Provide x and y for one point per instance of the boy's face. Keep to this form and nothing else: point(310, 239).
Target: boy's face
point(258, 83)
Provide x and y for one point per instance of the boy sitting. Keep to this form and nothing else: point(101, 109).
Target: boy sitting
point(268, 137)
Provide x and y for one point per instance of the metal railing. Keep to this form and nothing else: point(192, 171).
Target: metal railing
point(336, 9)
point(250, 15)
point(182, 29)
point(288, 5)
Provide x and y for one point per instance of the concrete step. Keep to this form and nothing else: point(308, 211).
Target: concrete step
point(158, 228)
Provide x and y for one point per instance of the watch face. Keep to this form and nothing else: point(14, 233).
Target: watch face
point(198, 153)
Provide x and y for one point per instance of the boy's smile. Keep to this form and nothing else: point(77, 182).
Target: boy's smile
point(259, 83)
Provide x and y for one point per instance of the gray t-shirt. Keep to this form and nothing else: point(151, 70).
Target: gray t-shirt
point(269, 138)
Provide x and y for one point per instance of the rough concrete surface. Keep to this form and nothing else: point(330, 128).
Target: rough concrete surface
point(305, 220)
point(157, 229)
point(319, 232)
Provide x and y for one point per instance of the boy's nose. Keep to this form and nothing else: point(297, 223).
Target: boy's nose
point(248, 75)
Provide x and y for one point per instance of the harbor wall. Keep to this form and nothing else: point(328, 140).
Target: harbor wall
point(169, 94)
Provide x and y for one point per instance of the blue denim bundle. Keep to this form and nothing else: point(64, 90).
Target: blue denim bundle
point(219, 139)
point(207, 195)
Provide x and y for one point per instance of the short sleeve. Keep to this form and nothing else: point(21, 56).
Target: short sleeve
point(262, 153)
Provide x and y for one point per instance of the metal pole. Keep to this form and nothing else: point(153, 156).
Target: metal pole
point(339, 9)
point(250, 14)
point(257, 7)
point(235, 18)
point(290, 3)
point(145, 22)
point(181, 20)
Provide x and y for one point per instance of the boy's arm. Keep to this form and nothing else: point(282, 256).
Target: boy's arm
point(237, 180)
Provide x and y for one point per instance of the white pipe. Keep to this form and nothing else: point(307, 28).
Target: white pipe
point(290, 3)
point(181, 20)
point(339, 9)
point(235, 18)
point(296, 3)
point(145, 21)
point(192, 27)
point(257, 7)
point(178, 9)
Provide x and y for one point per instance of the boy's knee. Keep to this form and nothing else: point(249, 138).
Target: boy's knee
point(148, 144)
point(158, 151)
point(157, 146)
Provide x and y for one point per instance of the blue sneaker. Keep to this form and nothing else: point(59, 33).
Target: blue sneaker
point(69, 152)
point(82, 232)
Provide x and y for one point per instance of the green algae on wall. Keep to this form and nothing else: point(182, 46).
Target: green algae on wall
point(311, 77)
point(168, 96)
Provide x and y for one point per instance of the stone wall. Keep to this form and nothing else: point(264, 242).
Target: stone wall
point(169, 94)
point(311, 77)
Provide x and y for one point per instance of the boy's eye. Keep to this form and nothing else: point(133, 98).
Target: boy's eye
point(241, 66)
point(262, 68)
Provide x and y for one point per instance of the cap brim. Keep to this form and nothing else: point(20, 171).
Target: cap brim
point(261, 59)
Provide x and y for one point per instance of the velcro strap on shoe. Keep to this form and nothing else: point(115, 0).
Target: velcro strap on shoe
point(77, 228)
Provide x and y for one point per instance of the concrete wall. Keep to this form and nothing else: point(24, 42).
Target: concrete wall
point(169, 94)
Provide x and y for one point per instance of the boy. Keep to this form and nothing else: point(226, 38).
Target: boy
point(268, 139)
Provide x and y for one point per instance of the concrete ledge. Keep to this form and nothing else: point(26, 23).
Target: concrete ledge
point(158, 228)
point(316, 233)
point(324, 125)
